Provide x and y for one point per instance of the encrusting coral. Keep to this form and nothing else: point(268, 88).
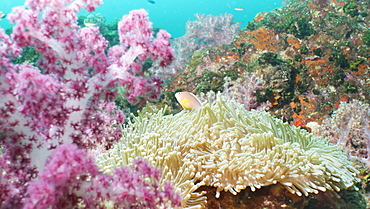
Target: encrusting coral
point(225, 146)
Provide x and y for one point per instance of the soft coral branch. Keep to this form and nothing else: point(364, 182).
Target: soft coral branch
point(67, 96)
point(71, 178)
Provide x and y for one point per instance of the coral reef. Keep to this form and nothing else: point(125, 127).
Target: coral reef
point(231, 149)
point(310, 56)
point(59, 81)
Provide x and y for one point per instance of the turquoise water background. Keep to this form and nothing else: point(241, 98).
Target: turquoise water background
point(170, 14)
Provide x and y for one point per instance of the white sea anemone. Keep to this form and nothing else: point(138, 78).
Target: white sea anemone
point(225, 146)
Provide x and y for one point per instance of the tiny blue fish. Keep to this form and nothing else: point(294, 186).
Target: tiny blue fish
point(151, 1)
point(2, 15)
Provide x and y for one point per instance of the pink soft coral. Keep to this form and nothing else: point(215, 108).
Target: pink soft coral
point(71, 178)
point(67, 95)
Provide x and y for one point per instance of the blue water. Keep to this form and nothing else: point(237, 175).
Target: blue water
point(170, 14)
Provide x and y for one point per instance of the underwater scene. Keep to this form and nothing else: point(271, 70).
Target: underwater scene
point(185, 104)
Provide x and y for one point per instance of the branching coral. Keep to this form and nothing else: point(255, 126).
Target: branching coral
point(71, 180)
point(66, 96)
point(205, 32)
point(243, 91)
point(349, 128)
point(225, 146)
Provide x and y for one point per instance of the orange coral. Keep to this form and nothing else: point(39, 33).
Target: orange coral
point(346, 50)
point(311, 5)
point(293, 42)
point(362, 69)
point(218, 58)
point(307, 111)
point(238, 42)
point(259, 16)
point(297, 77)
point(299, 120)
point(320, 70)
point(341, 99)
point(263, 39)
point(234, 56)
